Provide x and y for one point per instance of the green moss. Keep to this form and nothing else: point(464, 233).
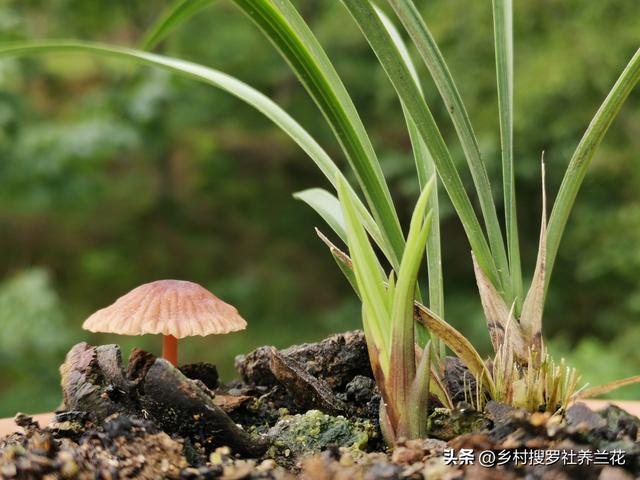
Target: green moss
point(297, 435)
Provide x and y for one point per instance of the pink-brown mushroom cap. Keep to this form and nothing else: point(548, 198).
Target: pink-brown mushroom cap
point(168, 307)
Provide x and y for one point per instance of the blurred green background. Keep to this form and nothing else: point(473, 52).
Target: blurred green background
point(113, 175)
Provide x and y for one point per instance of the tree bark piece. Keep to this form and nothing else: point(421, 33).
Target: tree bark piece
point(336, 360)
point(181, 405)
point(93, 381)
point(308, 392)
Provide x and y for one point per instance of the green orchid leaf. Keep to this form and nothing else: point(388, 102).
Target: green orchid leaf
point(403, 365)
point(283, 25)
point(503, 36)
point(327, 206)
point(583, 155)
point(433, 59)
point(369, 278)
point(390, 59)
point(426, 170)
point(177, 13)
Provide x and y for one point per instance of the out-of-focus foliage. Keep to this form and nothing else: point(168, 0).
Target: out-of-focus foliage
point(111, 176)
point(33, 331)
point(28, 305)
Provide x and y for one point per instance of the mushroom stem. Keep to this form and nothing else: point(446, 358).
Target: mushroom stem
point(170, 349)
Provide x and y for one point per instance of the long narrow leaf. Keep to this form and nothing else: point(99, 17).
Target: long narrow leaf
point(181, 11)
point(583, 155)
point(174, 15)
point(369, 280)
point(284, 27)
point(363, 13)
point(327, 206)
point(608, 387)
point(435, 63)
point(426, 170)
point(403, 364)
point(230, 85)
point(503, 36)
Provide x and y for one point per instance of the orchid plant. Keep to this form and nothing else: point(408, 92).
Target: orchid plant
point(407, 340)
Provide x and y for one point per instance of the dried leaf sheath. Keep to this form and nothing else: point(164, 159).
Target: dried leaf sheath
point(533, 307)
point(501, 329)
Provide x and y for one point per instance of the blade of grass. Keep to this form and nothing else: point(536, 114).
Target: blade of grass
point(364, 14)
point(503, 36)
point(435, 63)
point(284, 27)
point(583, 155)
point(177, 13)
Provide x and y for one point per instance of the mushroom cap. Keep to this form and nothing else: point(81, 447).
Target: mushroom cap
point(167, 307)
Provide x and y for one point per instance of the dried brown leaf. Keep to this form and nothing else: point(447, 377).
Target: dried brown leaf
point(457, 342)
point(608, 387)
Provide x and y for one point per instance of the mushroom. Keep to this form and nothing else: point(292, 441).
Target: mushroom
point(174, 308)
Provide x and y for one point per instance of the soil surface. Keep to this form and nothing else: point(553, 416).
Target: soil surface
point(308, 411)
